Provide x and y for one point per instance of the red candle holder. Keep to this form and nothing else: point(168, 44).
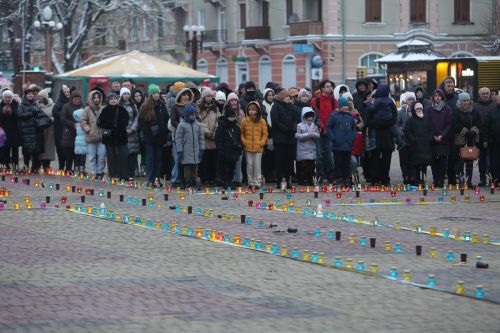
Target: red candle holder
point(271, 206)
point(393, 194)
point(250, 203)
point(64, 199)
point(481, 198)
point(339, 195)
point(270, 190)
point(87, 191)
point(301, 190)
point(79, 189)
point(294, 189)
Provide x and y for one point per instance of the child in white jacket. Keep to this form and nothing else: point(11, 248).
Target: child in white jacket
point(306, 135)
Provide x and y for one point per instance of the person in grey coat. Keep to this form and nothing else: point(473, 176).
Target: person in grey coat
point(190, 142)
point(405, 113)
point(132, 127)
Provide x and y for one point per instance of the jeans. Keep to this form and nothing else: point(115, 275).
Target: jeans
point(97, 157)
point(153, 161)
point(238, 176)
point(253, 168)
point(324, 157)
point(438, 167)
point(117, 160)
point(175, 167)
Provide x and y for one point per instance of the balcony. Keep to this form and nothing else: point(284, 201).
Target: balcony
point(262, 32)
point(306, 28)
point(214, 36)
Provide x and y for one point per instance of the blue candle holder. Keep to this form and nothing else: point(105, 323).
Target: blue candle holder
point(288, 196)
point(393, 273)
point(431, 281)
point(317, 232)
point(440, 200)
point(315, 257)
point(479, 293)
point(446, 233)
point(258, 245)
point(332, 216)
point(450, 256)
point(227, 239)
point(166, 227)
point(467, 236)
point(337, 262)
point(275, 249)
point(129, 200)
point(246, 242)
point(362, 241)
point(360, 266)
point(397, 248)
point(149, 223)
point(295, 254)
point(331, 235)
point(248, 220)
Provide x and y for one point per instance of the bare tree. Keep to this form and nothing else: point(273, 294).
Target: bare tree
point(491, 26)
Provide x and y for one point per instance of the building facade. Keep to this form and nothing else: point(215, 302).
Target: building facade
point(265, 41)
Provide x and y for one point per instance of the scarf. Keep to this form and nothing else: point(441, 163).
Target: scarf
point(438, 106)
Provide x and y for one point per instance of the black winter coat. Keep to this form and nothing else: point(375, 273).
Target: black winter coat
point(383, 136)
point(119, 127)
point(31, 137)
point(56, 113)
point(161, 120)
point(465, 120)
point(494, 126)
point(284, 119)
point(418, 133)
point(9, 123)
point(228, 140)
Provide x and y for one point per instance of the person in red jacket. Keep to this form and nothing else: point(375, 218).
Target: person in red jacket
point(324, 103)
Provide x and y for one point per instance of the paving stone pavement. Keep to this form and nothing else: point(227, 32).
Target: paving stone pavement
point(67, 272)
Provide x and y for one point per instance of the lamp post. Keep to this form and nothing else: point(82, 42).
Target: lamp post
point(193, 32)
point(49, 26)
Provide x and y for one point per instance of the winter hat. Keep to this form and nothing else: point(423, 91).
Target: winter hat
point(303, 92)
point(229, 113)
point(188, 111)
point(419, 106)
point(410, 94)
point(347, 95)
point(220, 96)
point(463, 97)
point(343, 102)
point(253, 103)
point(402, 99)
point(153, 89)
point(230, 97)
point(124, 90)
point(282, 94)
point(307, 111)
point(27, 91)
point(205, 92)
point(179, 85)
point(44, 93)
point(250, 85)
point(112, 95)
point(293, 92)
point(7, 93)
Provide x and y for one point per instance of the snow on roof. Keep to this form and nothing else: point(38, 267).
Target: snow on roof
point(408, 57)
point(412, 42)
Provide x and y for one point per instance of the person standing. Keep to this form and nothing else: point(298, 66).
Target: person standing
point(439, 116)
point(494, 142)
point(484, 107)
point(49, 146)
point(450, 98)
point(419, 137)
point(9, 153)
point(190, 143)
point(88, 122)
point(31, 135)
point(228, 144)
point(253, 138)
point(268, 165)
point(306, 136)
point(80, 144)
point(138, 100)
point(324, 103)
point(404, 114)
point(114, 120)
point(341, 129)
point(284, 122)
point(132, 129)
point(69, 128)
point(153, 122)
point(209, 115)
point(62, 99)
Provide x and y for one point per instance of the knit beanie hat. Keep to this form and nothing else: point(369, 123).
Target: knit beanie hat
point(303, 92)
point(124, 90)
point(419, 106)
point(231, 96)
point(27, 91)
point(463, 97)
point(250, 85)
point(410, 94)
point(44, 93)
point(293, 92)
point(188, 111)
point(343, 102)
point(7, 93)
point(229, 113)
point(112, 95)
point(206, 92)
point(220, 96)
point(153, 89)
point(282, 94)
point(179, 85)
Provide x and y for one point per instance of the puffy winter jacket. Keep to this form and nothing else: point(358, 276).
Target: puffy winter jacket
point(284, 119)
point(189, 140)
point(88, 119)
point(115, 118)
point(306, 146)
point(133, 124)
point(228, 140)
point(80, 144)
point(341, 129)
point(209, 115)
point(68, 122)
point(31, 136)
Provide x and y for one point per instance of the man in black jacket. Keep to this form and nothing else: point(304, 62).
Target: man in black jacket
point(485, 107)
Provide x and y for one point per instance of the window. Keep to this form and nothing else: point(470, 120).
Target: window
point(417, 11)
point(289, 10)
point(202, 66)
point(100, 36)
point(265, 71)
point(265, 13)
point(222, 26)
point(373, 10)
point(312, 10)
point(289, 72)
point(243, 15)
point(201, 17)
point(145, 29)
point(462, 11)
point(241, 72)
point(221, 70)
point(133, 29)
point(368, 61)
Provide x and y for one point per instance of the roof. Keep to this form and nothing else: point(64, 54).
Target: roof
point(408, 57)
point(136, 64)
point(412, 42)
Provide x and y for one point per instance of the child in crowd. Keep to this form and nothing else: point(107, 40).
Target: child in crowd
point(190, 143)
point(80, 143)
point(254, 138)
point(307, 135)
point(341, 129)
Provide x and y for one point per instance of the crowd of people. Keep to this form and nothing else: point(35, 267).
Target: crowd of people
point(196, 135)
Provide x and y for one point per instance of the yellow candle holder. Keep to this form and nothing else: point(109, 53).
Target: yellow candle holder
point(17, 205)
point(321, 258)
point(352, 239)
point(118, 217)
point(68, 187)
point(348, 263)
point(460, 288)
point(151, 197)
point(388, 246)
point(172, 227)
point(198, 232)
point(269, 247)
point(29, 205)
point(157, 225)
point(306, 256)
point(467, 199)
point(475, 238)
point(486, 239)
point(433, 231)
point(37, 183)
point(213, 234)
point(236, 239)
point(284, 251)
point(374, 268)
point(252, 243)
point(433, 252)
point(453, 199)
point(406, 275)
point(291, 203)
point(397, 226)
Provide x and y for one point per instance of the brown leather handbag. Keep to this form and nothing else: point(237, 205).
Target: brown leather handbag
point(469, 153)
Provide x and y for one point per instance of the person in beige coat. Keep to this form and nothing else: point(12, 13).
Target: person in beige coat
point(49, 145)
point(96, 151)
point(209, 114)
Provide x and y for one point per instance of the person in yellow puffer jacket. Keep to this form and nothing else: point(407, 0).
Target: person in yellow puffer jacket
point(254, 138)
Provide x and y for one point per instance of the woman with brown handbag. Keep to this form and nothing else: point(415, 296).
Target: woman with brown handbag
point(466, 124)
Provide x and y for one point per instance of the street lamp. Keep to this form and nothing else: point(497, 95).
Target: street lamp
point(49, 26)
point(192, 43)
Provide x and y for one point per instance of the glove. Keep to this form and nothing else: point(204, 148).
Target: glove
point(179, 156)
point(200, 155)
point(464, 132)
point(474, 130)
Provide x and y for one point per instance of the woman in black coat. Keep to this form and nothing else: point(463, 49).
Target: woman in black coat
point(418, 133)
point(62, 99)
point(31, 136)
point(9, 154)
point(114, 118)
point(466, 123)
point(228, 145)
